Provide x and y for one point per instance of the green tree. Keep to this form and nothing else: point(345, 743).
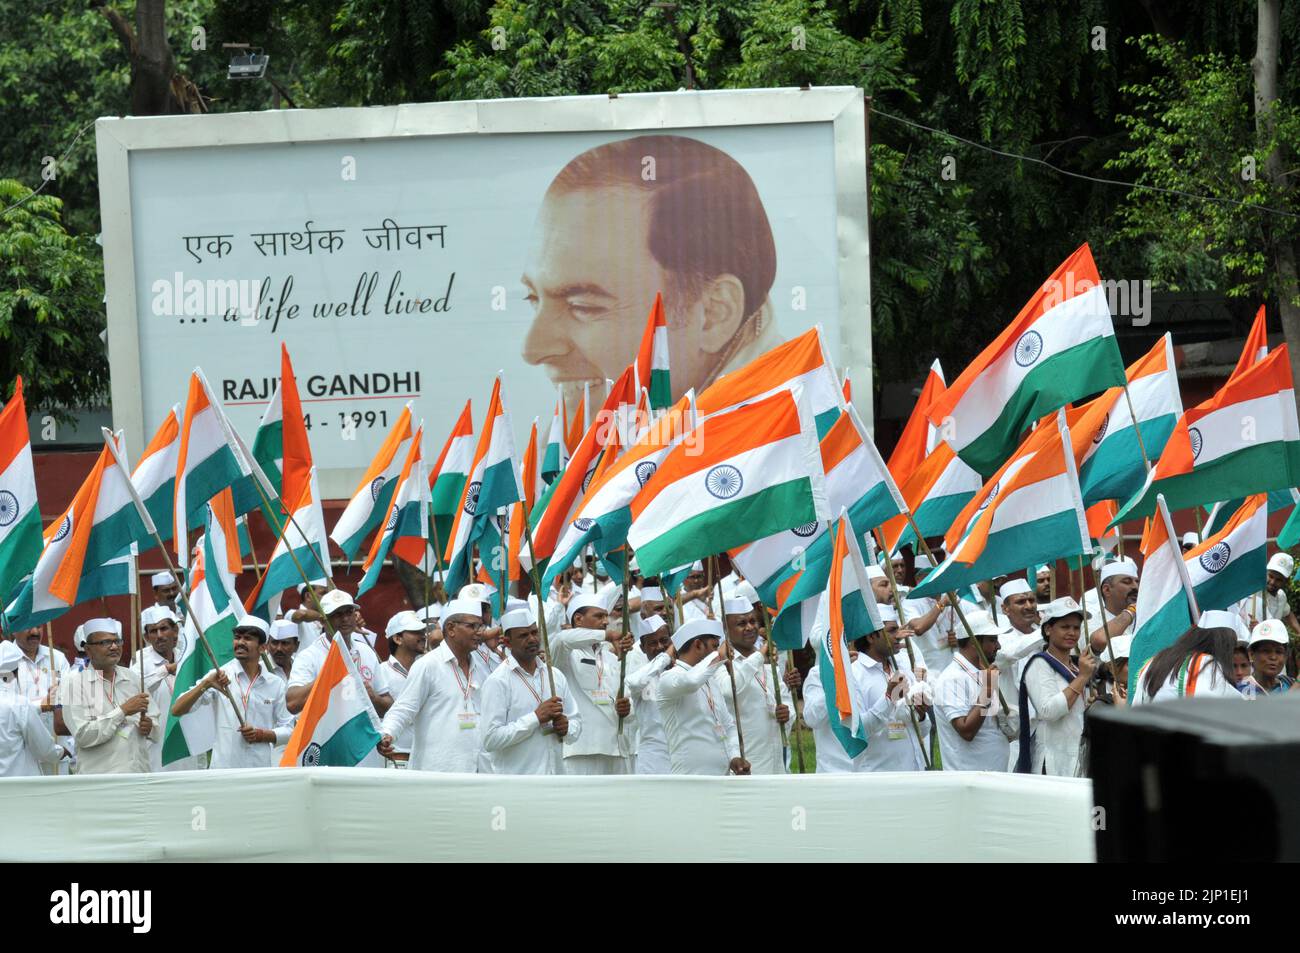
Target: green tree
point(51, 315)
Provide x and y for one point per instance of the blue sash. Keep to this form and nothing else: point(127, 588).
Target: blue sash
point(1026, 739)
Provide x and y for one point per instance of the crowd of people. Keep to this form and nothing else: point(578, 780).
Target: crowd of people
point(1002, 680)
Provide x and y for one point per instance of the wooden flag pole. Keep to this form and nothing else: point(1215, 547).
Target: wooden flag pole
point(171, 567)
point(711, 568)
point(541, 604)
point(956, 605)
point(1110, 649)
point(798, 719)
point(627, 630)
point(911, 658)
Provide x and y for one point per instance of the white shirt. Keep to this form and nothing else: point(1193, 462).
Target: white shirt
point(1058, 725)
point(443, 706)
point(396, 675)
point(509, 731)
point(700, 730)
point(934, 641)
point(757, 697)
point(1014, 647)
point(591, 668)
point(831, 756)
point(34, 685)
point(307, 665)
point(891, 736)
point(1202, 680)
point(643, 688)
point(108, 741)
point(262, 702)
point(1276, 605)
point(1093, 605)
point(955, 692)
point(161, 688)
point(25, 744)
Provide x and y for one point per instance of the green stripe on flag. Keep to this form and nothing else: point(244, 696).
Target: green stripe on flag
point(1253, 469)
point(348, 746)
point(1116, 470)
point(206, 480)
point(1091, 366)
point(20, 550)
point(729, 525)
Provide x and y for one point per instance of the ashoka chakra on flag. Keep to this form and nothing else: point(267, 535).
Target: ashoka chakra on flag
point(724, 481)
point(1194, 436)
point(1216, 557)
point(1028, 348)
point(645, 470)
point(64, 529)
point(806, 530)
point(311, 755)
point(583, 523)
point(471, 498)
point(376, 487)
point(9, 508)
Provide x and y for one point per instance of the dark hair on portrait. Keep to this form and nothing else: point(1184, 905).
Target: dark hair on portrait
point(706, 217)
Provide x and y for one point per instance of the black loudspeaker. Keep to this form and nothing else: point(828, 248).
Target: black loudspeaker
point(1197, 780)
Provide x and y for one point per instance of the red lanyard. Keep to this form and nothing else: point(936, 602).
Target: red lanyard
point(528, 684)
point(465, 686)
point(248, 693)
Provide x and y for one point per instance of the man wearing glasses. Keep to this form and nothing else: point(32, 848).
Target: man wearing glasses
point(111, 716)
point(441, 698)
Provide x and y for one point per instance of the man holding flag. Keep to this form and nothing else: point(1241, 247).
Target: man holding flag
point(110, 715)
point(701, 731)
point(974, 733)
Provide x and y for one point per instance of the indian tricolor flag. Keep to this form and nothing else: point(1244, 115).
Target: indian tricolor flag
point(791, 568)
point(302, 543)
point(1166, 603)
point(936, 492)
point(739, 476)
point(605, 514)
point(280, 445)
point(212, 605)
point(802, 362)
point(447, 479)
point(99, 525)
point(919, 437)
point(531, 479)
point(652, 358)
point(154, 476)
point(556, 454)
point(1243, 440)
point(558, 507)
point(1256, 347)
point(407, 518)
point(1029, 515)
point(1112, 467)
point(846, 610)
point(208, 461)
point(1060, 347)
point(338, 726)
point(20, 519)
point(493, 485)
point(371, 498)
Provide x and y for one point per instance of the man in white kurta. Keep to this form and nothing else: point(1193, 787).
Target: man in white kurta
point(643, 687)
point(110, 715)
point(161, 631)
point(969, 717)
point(1019, 637)
point(344, 617)
point(259, 695)
point(1281, 567)
point(441, 699)
point(1118, 582)
point(525, 723)
point(759, 718)
point(701, 732)
point(25, 744)
point(38, 679)
point(890, 697)
point(407, 641)
point(588, 655)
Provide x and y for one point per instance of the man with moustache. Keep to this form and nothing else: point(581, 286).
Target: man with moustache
point(110, 715)
point(34, 684)
point(1119, 592)
point(891, 694)
point(525, 720)
point(441, 698)
point(643, 686)
point(162, 630)
point(407, 641)
point(282, 645)
point(259, 695)
point(755, 710)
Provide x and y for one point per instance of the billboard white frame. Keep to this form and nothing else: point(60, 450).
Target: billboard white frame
point(842, 106)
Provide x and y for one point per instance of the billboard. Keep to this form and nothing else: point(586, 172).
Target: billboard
point(410, 253)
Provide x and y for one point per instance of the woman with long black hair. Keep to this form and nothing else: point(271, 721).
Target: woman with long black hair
point(1057, 687)
point(1197, 665)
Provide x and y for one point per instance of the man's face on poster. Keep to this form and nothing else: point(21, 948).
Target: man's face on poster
point(590, 280)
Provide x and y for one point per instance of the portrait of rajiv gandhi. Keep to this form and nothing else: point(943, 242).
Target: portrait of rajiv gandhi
point(629, 218)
